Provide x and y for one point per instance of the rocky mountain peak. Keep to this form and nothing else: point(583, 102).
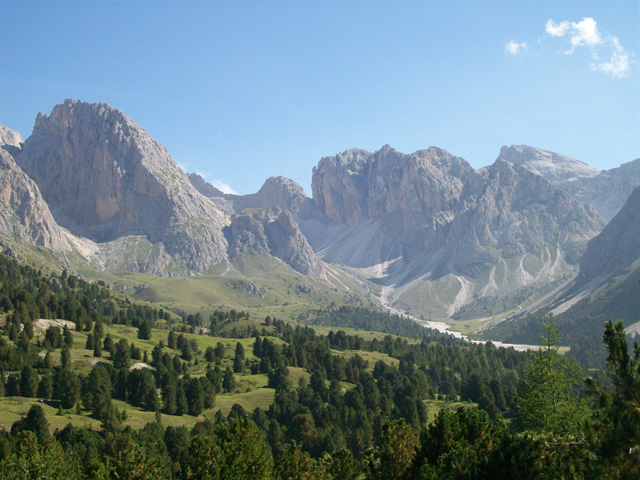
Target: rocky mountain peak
point(273, 231)
point(204, 187)
point(404, 192)
point(10, 138)
point(606, 191)
point(556, 168)
point(104, 177)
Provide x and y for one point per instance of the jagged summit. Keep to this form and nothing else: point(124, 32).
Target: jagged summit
point(424, 231)
point(104, 177)
point(204, 187)
point(10, 138)
point(446, 236)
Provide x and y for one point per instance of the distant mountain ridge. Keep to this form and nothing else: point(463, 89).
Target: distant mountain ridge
point(426, 232)
point(606, 191)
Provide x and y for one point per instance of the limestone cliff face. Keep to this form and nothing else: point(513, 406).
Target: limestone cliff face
point(25, 214)
point(104, 177)
point(617, 246)
point(606, 191)
point(283, 193)
point(442, 237)
point(265, 222)
point(413, 196)
point(506, 211)
point(10, 140)
point(272, 231)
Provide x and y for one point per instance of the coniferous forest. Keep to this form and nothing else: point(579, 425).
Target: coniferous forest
point(147, 394)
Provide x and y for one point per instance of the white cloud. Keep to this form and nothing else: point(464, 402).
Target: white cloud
point(220, 185)
point(557, 30)
point(585, 34)
point(513, 48)
point(619, 63)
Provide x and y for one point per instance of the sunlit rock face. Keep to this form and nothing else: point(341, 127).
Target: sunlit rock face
point(606, 191)
point(104, 177)
point(434, 228)
point(25, 215)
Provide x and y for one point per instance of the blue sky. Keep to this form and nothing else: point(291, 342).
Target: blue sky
point(240, 91)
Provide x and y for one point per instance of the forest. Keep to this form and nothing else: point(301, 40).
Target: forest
point(359, 394)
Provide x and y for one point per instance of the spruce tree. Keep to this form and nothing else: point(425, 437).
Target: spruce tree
point(546, 401)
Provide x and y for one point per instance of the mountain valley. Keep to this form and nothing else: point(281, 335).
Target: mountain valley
point(424, 234)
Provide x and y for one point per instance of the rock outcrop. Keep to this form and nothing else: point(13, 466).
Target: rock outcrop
point(442, 236)
point(507, 211)
point(204, 187)
point(412, 196)
point(616, 247)
point(25, 214)
point(606, 191)
point(272, 231)
point(105, 178)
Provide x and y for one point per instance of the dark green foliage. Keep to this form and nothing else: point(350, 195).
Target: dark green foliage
point(394, 456)
point(546, 401)
point(617, 444)
point(53, 337)
point(35, 422)
point(32, 459)
point(65, 357)
point(239, 359)
point(97, 390)
point(195, 395)
point(121, 355)
point(66, 387)
point(68, 337)
point(209, 354)
point(228, 380)
point(45, 387)
point(144, 330)
point(171, 341)
point(378, 321)
point(28, 382)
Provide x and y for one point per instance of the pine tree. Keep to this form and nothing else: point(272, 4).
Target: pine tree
point(171, 341)
point(546, 402)
point(144, 331)
point(238, 360)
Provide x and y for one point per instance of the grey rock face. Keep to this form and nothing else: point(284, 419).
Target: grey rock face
point(413, 196)
point(616, 246)
point(25, 214)
point(506, 211)
point(447, 236)
point(556, 168)
point(283, 193)
point(10, 138)
point(272, 231)
point(104, 177)
point(204, 187)
point(606, 191)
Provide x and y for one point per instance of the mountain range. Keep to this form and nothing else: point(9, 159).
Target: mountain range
point(423, 233)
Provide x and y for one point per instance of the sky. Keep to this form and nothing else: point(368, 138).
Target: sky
point(241, 91)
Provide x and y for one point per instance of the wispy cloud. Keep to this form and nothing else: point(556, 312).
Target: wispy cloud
point(608, 55)
point(220, 185)
point(514, 48)
point(583, 33)
point(619, 63)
